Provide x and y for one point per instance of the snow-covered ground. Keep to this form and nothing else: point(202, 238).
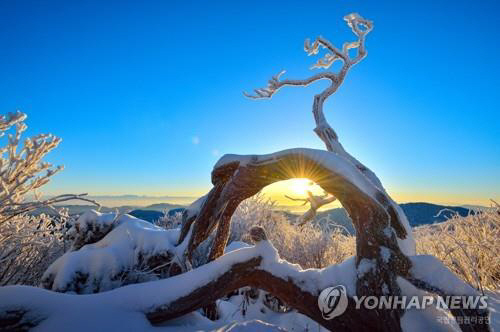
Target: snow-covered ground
point(88, 315)
point(494, 306)
point(123, 308)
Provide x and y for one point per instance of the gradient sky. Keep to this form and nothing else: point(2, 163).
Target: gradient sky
point(147, 95)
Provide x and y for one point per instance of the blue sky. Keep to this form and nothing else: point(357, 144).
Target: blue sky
point(131, 86)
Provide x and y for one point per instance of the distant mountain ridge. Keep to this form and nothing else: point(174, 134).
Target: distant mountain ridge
point(150, 212)
point(418, 214)
point(426, 213)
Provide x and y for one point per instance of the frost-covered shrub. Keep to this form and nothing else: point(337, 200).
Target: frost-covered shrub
point(468, 246)
point(169, 221)
point(310, 246)
point(22, 169)
point(29, 244)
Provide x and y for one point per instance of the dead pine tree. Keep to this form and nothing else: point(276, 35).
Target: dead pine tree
point(384, 240)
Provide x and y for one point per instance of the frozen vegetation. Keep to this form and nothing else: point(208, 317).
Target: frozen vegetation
point(245, 309)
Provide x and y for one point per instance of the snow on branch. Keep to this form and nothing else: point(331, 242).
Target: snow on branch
point(10, 120)
point(28, 243)
point(359, 26)
point(162, 300)
point(236, 177)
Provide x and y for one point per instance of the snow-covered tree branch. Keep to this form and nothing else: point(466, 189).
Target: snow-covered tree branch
point(360, 27)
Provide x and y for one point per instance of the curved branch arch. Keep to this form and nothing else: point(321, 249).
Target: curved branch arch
point(375, 218)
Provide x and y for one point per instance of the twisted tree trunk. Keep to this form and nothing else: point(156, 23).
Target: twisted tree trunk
point(380, 258)
point(383, 234)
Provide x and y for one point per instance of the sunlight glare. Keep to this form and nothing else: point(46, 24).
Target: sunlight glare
point(296, 188)
point(300, 186)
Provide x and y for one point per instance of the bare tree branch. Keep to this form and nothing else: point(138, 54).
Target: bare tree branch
point(316, 202)
point(360, 27)
point(274, 84)
point(16, 209)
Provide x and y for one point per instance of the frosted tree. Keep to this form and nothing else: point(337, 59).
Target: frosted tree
point(26, 242)
point(22, 169)
point(384, 240)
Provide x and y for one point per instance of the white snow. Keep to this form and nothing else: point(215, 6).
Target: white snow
point(366, 265)
point(311, 280)
point(408, 246)
point(334, 162)
point(123, 308)
point(428, 319)
point(118, 251)
point(385, 253)
point(431, 270)
point(235, 245)
point(195, 207)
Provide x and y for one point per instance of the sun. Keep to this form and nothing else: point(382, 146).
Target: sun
point(280, 192)
point(300, 186)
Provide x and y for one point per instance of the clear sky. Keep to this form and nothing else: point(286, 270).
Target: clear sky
point(147, 95)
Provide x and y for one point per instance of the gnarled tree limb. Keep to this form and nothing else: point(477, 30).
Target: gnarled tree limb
point(377, 224)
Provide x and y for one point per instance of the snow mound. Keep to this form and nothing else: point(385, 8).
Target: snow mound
point(133, 251)
point(235, 245)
